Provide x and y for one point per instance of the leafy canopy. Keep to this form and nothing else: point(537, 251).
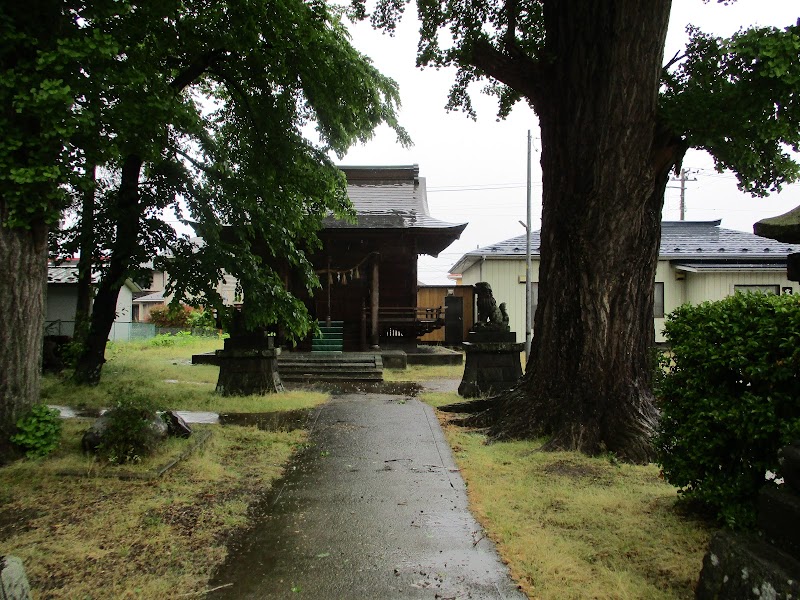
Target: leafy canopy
point(737, 98)
point(217, 100)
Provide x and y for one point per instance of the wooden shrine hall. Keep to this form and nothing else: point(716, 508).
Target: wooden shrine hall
point(368, 268)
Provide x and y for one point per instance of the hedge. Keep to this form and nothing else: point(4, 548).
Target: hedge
point(730, 400)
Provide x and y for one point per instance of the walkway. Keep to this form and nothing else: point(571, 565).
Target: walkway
point(373, 508)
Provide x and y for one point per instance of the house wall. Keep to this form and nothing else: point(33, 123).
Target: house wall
point(431, 296)
point(62, 298)
point(507, 278)
point(715, 286)
point(121, 329)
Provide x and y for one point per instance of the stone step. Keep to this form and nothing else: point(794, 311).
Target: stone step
point(360, 376)
point(330, 366)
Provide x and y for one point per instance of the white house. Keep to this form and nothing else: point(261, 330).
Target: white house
point(62, 299)
point(698, 261)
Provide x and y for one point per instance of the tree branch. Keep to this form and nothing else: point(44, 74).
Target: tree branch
point(511, 29)
point(516, 70)
point(678, 56)
point(194, 70)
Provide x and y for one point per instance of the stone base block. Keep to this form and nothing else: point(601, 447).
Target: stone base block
point(246, 372)
point(13, 582)
point(742, 567)
point(394, 359)
point(490, 368)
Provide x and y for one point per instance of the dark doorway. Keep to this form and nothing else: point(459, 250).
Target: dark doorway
point(453, 320)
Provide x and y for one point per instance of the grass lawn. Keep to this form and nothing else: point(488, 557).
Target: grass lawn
point(88, 535)
point(570, 526)
point(417, 373)
point(162, 369)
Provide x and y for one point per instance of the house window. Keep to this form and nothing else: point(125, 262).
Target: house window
point(135, 315)
point(658, 300)
point(756, 289)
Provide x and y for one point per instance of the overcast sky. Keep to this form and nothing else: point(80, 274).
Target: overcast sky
point(476, 170)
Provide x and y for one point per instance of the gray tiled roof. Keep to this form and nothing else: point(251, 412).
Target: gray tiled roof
point(703, 241)
point(63, 274)
point(389, 198)
point(395, 198)
point(66, 275)
point(154, 297)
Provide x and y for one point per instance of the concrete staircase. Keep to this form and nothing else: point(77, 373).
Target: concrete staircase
point(330, 339)
point(330, 366)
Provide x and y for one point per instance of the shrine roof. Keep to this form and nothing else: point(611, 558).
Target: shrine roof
point(394, 198)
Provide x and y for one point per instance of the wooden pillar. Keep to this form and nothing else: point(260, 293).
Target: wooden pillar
point(363, 338)
point(329, 282)
point(375, 303)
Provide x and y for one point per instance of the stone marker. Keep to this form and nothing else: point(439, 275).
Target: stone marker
point(177, 425)
point(13, 582)
point(767, 565)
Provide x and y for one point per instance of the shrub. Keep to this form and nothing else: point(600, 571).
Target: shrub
point(132, 430)
point(729, 400)
point(171, 316)
point(201, 319)
point(181, 338)
point(39, 431)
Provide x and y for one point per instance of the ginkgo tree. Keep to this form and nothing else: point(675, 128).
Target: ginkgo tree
point(616, 119)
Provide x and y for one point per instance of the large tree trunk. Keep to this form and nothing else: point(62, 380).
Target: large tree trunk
point(587, 386)
point(23, 264)
point(123, 250)
point(83, 305)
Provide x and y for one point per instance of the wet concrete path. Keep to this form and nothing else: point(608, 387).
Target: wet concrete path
point(373, 508)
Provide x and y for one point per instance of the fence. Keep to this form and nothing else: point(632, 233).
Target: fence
point(123, 332)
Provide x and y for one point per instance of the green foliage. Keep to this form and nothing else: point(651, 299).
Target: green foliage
point(216, 100)
point(181, 338)
point(35, 100)
point(729, 401)
point(739, 98)
point(130, 435)
point(39, 431)
point(201, 319)
point(171, 316)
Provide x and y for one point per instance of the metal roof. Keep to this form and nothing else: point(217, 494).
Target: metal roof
point(703, 241)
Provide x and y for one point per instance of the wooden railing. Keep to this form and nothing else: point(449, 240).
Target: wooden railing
point(411, 321)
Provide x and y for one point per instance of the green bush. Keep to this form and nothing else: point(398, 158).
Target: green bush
point(38, 432)
point(171, 316)
point(729, 400)
point(129, 433)
point(200, 319)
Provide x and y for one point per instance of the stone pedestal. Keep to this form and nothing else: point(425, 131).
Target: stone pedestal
point(739, 567)
point(492, 363)
point(248, 365)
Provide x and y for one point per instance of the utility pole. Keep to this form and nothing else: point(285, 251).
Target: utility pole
point(683, 179)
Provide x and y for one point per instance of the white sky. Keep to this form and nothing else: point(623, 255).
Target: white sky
point(476, 170)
